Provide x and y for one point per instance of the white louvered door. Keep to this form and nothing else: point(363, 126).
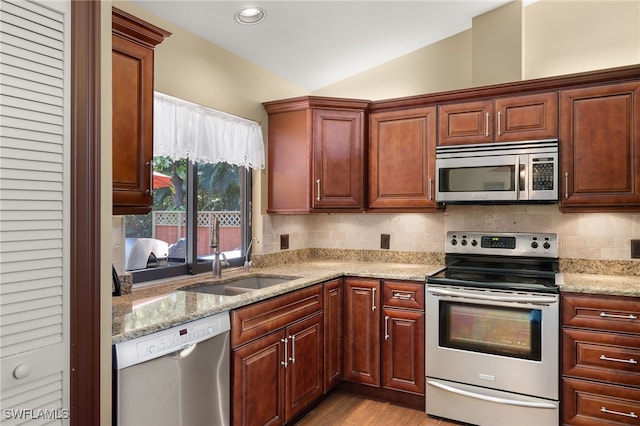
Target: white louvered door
point(34, 206)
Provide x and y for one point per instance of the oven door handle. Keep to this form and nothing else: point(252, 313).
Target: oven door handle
point(492, 398)
point(510, 298)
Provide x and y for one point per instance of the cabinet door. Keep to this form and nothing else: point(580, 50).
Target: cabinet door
point(304, 370)
point(362, 331)
point(333, 333)
point(402, 158)
point(337, 159)
point(528, 117)
point(465, 123)
point(132, 81)
point(259, 382)
point(403, 350)
point(600, 148)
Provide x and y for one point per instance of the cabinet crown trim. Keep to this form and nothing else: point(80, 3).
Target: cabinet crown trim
point(135, 29)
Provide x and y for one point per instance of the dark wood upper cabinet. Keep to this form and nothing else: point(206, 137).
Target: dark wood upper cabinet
point(402, 159)
point(504, 119)
point(133, 43)
point(316, 155)
point(600, 148)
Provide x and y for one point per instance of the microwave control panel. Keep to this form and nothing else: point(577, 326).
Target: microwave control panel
point(543, 176)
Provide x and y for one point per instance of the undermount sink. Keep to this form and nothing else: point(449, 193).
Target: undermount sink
point(241, 285)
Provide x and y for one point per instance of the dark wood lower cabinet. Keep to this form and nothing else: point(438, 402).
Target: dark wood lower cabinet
point(290, 350)
point(333, 333)
point(403, 351)
point(304, 372)
point(362, 331)
point(600, 355)
point(258, 382)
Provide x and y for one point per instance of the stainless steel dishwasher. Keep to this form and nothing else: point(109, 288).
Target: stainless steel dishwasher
point(175, 377)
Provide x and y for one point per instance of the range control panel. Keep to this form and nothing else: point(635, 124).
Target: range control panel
point(502, 243)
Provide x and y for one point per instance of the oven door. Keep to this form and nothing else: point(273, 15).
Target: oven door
point(495, 339)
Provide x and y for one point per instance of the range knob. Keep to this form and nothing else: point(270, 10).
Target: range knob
point(474, 243)
point(534, 244)
point(547, 246)
point(454, 242)
point(463, 242)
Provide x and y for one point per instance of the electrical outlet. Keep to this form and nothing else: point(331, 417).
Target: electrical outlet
point(385, 241)
point(284, 241)
point(635, 249)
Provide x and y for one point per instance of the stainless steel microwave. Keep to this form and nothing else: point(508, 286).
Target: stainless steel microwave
point(498, 173)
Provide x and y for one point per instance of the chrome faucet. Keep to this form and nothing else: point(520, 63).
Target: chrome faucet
point(219, 264)
point(247, 262)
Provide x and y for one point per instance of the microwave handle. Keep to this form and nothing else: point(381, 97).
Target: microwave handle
point(517, 177)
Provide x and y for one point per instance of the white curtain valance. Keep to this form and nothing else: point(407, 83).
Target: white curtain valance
point(183, 129)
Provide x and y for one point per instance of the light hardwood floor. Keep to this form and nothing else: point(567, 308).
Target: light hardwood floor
point(347, 409)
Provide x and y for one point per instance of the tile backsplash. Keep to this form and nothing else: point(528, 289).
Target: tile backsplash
point(603, 236)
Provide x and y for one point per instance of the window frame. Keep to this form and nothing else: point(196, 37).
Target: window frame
point(192, 266)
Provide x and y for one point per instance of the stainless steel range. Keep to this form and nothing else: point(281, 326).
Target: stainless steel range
point(492, 330)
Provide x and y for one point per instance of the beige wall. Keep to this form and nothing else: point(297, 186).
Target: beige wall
point(563, 37)
point(497, 45)
point(557, 37)
point(445, 65)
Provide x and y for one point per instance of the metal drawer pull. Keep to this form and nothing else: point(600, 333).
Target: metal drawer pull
point(292, 358)
point(618, 413)
point(606, 315)
point(285, 352)
point(373, 299)
point(402, 296)
point(386, 327)
point(626, 361)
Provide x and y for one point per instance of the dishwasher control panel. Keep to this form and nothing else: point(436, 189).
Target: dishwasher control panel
point(173, 339)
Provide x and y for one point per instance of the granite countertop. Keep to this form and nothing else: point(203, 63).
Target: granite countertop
point(165, 304)
point(619, 285)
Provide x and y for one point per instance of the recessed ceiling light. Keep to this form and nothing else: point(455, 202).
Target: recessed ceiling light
point(250, 15)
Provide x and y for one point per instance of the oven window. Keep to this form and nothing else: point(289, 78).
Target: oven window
point(497, 330)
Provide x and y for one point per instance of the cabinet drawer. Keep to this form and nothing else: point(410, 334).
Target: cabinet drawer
point(587, 403)
point(255, 320)
point(601, 356)
point(403, 294)
point(611, 313)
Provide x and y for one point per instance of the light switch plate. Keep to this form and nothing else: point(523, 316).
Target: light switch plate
point(635, 249)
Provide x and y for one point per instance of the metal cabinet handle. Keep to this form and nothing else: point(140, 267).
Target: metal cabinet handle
point(292, 358)
point(629, 317)
point(285, 352)
point(566, 185)
point(318, 184)
point(618, 413)
point(626, 361)
point(148, 164)
point(486, 123)
point(499, 123)
point(373, 299)
point(401, 296)
point(429, 191)
point(386, 327)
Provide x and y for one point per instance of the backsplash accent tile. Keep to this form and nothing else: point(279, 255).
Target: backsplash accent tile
point(348, 255)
